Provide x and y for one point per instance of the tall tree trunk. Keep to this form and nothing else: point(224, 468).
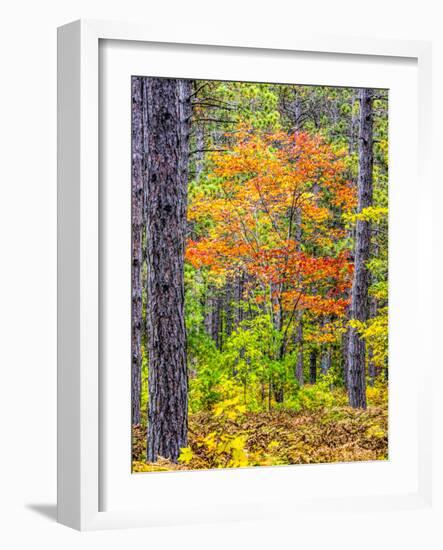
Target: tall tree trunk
point(137, 200)
point(359, 299)
point(169, 109)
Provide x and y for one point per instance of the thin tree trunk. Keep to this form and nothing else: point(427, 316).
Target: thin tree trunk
point(313, 367)
point(299, 341)
point(277, 321)
point(373, 371)
point(169, 112)
point(326, 359)
point(297, 112)
point(221, 327)
point(228, 306)
point(199, 145)
point(299, 335)
point(359, 300)
point(137, 200)
point(326, 356)
point(215, 318)
point(207, 321)
point(238, 297)
point(352, 125)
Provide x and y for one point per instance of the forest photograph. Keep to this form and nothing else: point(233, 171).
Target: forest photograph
point(259, 274)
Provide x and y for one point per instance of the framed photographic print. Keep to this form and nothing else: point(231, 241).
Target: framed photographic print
point(234, 289)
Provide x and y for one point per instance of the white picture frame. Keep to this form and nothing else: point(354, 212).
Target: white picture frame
point(82, 469)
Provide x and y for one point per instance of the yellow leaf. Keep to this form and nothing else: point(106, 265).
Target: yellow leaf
point(186, 455)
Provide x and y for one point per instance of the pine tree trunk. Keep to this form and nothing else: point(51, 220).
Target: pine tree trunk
point(168, 109)
point(137, 199)
point(359, 299)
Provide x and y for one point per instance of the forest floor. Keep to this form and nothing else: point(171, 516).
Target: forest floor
point(278, 437)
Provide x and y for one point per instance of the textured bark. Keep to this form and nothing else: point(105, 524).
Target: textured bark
point(313, 367)
point(137, 199)
point(168, 114)
point(344, 357)
point(359, 299)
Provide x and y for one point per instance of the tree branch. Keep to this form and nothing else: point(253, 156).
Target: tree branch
point(208, 151)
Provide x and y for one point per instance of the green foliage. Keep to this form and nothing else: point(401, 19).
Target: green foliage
point(375, 333)
point(317, 396)
point(372, 214)
point(209, 383)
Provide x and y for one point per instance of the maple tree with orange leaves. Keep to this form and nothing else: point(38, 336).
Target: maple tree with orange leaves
point(271, 214)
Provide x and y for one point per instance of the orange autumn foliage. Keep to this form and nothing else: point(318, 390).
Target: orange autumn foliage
point(258, 199)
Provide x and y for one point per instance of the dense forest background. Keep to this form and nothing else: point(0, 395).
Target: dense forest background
point(259, 274)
